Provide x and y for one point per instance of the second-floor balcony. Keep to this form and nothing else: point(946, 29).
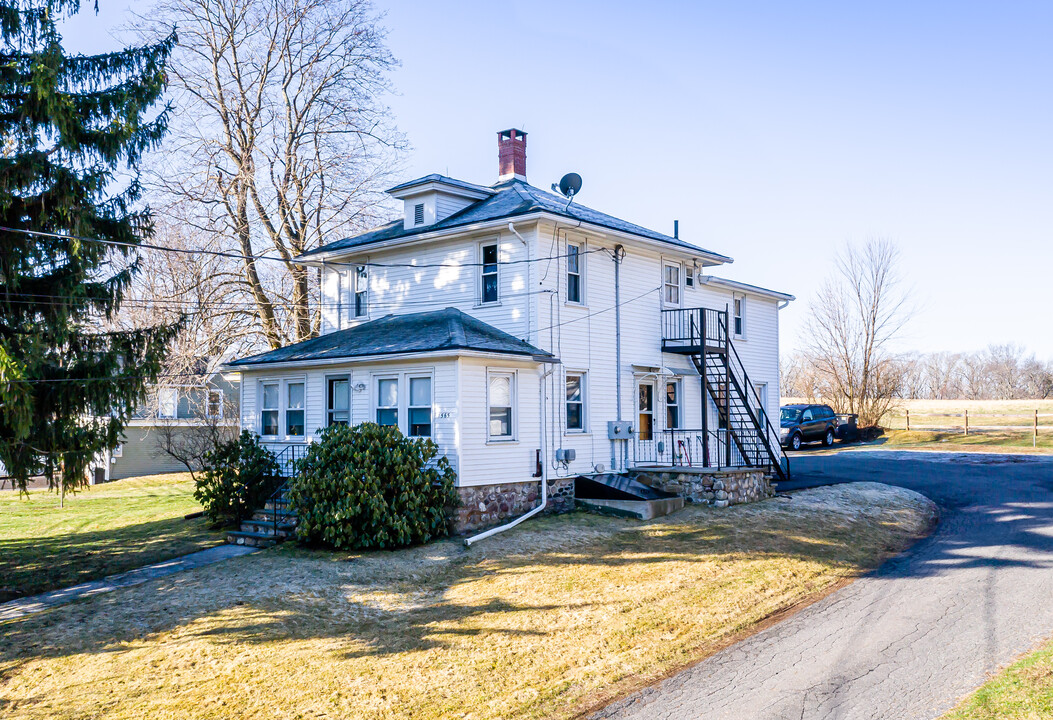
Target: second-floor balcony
point(694, 331)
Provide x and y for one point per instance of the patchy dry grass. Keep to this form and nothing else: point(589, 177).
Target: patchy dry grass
point(103, 529)
point(557, 616)
point(1024, 691)
point(991, 441)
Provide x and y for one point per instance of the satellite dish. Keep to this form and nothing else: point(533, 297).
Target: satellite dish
point(570, 185)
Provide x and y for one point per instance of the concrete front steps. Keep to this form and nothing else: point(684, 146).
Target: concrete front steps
point(269, 526)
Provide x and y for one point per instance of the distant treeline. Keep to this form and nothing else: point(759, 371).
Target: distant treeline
point(1000, 372)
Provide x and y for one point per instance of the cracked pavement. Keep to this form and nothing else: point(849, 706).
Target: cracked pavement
point(910, 639)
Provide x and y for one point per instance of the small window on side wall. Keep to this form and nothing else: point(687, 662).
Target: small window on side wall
point(488, 275)
point(500, 398)
point(739, 315)
point(361, 291)
point(574, 273)
point(575, 401)
point(672, 404)
point(671, 285)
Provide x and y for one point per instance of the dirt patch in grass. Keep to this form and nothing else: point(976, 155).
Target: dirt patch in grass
point(559, 615)
point(1023, 691)
point(103, 529)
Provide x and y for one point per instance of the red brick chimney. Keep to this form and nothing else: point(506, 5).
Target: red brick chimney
point(511, 154)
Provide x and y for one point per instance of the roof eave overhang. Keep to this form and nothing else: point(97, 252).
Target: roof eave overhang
point(367, 359)
point(751, 289)
point(322, 258)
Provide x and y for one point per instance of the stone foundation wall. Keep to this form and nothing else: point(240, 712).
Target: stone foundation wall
point(717, 488)
point(483, 506)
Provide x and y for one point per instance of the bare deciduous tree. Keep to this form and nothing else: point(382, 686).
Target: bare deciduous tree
point(281, 139)
point(854, 317)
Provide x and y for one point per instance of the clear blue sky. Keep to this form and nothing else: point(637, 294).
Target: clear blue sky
point(774, 132)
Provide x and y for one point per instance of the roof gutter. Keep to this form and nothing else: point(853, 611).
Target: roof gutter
point(319, 258)
point(417, 354)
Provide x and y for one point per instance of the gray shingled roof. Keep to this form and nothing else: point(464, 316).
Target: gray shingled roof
point(447, 329)
point(510, 199)
point(436, 177)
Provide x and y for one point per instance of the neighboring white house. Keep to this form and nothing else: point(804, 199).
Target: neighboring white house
point(530, 337)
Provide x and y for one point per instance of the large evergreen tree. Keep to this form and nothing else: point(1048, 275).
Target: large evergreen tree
point(73, 129)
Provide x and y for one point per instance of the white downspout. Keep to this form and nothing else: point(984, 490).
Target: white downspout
point(529, 289)
point(544, 469)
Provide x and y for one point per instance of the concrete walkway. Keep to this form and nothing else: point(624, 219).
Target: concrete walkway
point(36, 603)
point(914, 637)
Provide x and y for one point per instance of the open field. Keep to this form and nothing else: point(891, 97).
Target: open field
point(989, 441)
point(1023, 691)
point(950, 414)
point(103, 529)
point(560, 615)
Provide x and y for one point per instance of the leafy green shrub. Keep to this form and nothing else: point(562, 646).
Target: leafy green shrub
point(369, 486)
point(239, 476)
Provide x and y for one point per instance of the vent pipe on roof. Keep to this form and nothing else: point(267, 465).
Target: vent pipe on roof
point(676, 229)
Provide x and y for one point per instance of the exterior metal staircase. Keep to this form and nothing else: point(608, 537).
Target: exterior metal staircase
point(744, 436)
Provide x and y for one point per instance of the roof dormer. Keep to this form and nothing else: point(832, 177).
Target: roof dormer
point(434, 198)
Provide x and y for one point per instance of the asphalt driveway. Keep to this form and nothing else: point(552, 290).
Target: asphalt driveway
point(909, 640)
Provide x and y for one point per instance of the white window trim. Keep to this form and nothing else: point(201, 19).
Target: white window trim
point(208, 403)
point(283, 407)
point(350, 397)
point(582, 300)
point(680, 284)
point(410, 376)
point(353, 304)
point(584, 429)
point(679, 402)
point(402, 379)
point(742, 299)
point(479, 302)
point(514, 375)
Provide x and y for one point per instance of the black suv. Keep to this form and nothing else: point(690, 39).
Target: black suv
point(801, 423)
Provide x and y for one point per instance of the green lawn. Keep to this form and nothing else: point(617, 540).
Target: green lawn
point(1024, 691)
point(102, 530)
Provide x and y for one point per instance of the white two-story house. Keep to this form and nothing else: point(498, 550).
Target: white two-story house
point(532, 338)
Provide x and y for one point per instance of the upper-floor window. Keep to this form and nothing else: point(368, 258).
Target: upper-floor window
point(739, 315)
point(361, 291)
point(574, 274)
point(338, 401)
point(500, 401)
point(672, 404)
point(671, 284)
point(575, 401)
point(168, 403)
point(488, 274)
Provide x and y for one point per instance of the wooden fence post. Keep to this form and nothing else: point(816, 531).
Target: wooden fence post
point(967, 423)
point(908, 419)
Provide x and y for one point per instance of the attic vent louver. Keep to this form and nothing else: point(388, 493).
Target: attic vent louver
point(418, 214)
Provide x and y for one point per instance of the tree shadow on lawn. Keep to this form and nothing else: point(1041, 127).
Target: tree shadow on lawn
point(411, 600)
point(31, 565)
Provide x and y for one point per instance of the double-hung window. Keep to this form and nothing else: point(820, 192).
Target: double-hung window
point(294, 409)
point(500, 401)
point(338, 401)
point(672, 404)
point(388, 401)
point(574, 273)
point(420, 406)
point(361, 291)
point(671, 284)
point(739, 315)
point(575, 401)
point(270, 394)
point(214, 404)
point(168, 403)
point(488, 274)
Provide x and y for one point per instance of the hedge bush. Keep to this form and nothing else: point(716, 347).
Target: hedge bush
point(239, 477)
point(369, 486)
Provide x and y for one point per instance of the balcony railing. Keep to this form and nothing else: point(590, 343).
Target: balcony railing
point(689, 329)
